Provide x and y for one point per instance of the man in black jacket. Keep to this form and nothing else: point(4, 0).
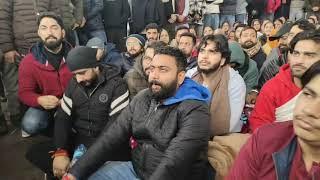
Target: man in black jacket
point(167, 125)
point(92, 101)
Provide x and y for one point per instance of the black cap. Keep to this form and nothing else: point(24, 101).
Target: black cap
point(283, 30)
point(82, 57)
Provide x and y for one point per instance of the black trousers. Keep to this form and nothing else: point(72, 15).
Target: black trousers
point(117, 36)
point(40, 157)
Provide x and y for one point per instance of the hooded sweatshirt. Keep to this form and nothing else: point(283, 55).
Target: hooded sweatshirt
point(246, 67)
point(275, 93)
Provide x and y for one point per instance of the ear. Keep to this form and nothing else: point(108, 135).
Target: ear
point(223, 61)
point(181, 77)
point(63, 33)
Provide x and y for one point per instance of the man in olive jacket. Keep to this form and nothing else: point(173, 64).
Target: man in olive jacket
point(167, 124)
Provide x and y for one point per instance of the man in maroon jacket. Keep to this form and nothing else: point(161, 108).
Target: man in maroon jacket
point(286, 150)
point(43, 75)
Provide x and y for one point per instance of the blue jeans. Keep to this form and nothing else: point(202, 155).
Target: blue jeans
point(242, 18)
point(230, 18)
point(101, 34)
point(211, 20)
point(35, 120)
point(115, 170)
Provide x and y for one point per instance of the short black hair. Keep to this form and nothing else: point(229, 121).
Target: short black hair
point(221, 43)
point(155, 45)
point(181, 27)
point(239, 26)
point(312, 72)
point(304, 24)
point(312, 35)
point(152, 26)
point(246, 28)
point(50, 15)
point(189, 34)
point(180, 58)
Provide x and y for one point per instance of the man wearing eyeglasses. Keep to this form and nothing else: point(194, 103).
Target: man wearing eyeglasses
point(277, 98)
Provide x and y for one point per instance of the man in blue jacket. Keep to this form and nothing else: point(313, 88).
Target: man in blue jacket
point(167, 126)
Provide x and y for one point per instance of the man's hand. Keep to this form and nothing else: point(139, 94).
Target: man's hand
point(315, 8)
point(48, 102)
point(173, 18)
point(10, 56)
point(181, 18)
point(83, 22)
point(68, 177)
point(60, 165)
point(75, 26)
point(251, 97)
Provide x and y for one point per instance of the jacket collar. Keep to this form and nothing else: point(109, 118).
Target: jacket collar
point(283, 159)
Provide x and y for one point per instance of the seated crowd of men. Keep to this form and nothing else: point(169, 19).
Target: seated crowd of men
point(178, 111)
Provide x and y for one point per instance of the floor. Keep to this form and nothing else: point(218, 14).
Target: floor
point(13, 165)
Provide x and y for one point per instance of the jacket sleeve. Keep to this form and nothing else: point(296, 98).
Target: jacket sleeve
point(120, 99)
point(117, 134)
point(96, 10)
point(6, 28)
point(184, 149)
point(246, 165)
point(78, 11)
point(63, 119)
point(186, 8)
point(264, 110)
point(217, 1)
point(27, 84)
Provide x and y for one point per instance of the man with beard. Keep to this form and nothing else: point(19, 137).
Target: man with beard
point(249, 42)
point(226, 85)
point(18, 32)
point(137, 77)
point(166, 124)
point(286, 150)
point(135, 47)
point(228, 98)
point(187, 45)
point(277, 97)
point(152, 32)
point(91, 102)
point(279, 56)
point(43, 75)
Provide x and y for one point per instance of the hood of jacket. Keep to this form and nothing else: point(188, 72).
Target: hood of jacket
point(239, 57)
point(38, 51)
point(189, 90)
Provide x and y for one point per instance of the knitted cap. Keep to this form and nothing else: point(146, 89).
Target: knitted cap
point(141, 39)
point(81, 58)
point(95, 43)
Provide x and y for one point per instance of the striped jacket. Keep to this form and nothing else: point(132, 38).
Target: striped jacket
point(87, 111)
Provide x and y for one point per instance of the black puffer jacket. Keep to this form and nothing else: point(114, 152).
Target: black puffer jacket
point(171, 137)
point(89, 113)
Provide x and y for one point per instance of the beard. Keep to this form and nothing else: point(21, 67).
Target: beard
point(283, 48)
point(209, 70)
point(248, 44)
point(165, 91)
point(52, 45)
point(134, 54)
point(91, 82)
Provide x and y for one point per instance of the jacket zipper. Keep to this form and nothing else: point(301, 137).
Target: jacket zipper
point(154, 110)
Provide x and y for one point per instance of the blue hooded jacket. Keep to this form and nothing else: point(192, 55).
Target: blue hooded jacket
point(189, 90)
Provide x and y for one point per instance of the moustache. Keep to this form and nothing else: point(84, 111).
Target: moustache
point(51, 37)
point(155, 82)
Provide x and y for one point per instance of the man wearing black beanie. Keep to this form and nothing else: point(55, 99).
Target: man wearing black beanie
point(92, 101)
